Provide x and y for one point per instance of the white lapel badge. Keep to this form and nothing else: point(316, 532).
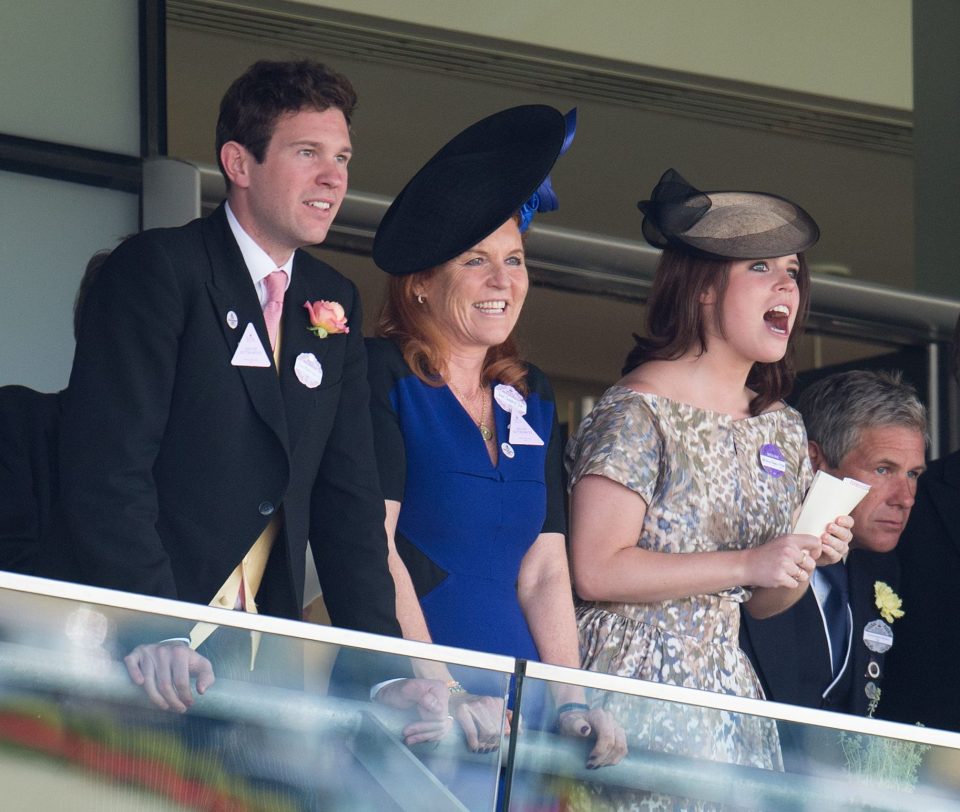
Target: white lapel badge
point(250, 352)
point(308, 369)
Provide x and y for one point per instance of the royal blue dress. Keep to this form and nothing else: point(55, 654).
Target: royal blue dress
point(465, 524)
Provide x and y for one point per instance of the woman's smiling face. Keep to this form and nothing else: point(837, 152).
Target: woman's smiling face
point(476, 297)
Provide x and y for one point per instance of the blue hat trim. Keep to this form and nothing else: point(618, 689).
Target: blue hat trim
point(545, 199)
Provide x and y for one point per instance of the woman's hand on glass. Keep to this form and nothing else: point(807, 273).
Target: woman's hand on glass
point(611, 740)
point(482, 719)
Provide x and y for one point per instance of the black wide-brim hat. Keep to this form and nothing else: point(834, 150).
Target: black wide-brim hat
point(724, 225)
point(470, 188)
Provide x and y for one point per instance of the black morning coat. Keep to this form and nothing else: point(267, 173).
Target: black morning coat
point(173, 459)
point(924, 664)
point(790, 651)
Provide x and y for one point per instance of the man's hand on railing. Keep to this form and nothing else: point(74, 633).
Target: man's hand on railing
point(164, 670)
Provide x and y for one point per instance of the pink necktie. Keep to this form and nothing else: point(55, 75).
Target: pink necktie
point(276, 284)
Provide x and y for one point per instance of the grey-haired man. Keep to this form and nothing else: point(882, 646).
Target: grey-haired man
point(827, 651)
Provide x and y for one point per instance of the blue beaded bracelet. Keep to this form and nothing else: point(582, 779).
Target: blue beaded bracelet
point(572, 706)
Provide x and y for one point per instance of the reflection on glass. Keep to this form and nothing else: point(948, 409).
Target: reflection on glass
point(691, 767)
point(874, 765)
point(296, 732)
point(299, 732)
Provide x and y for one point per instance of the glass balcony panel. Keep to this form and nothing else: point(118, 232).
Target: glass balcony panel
point(697, 750)
point(298, 731)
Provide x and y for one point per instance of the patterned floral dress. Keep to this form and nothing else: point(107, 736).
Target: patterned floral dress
point(699, 473)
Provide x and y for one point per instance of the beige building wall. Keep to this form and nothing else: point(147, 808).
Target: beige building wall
point(847, 49)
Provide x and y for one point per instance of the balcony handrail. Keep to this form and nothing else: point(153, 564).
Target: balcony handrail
point(602, 265)
point(196, 613)
point(777, 711)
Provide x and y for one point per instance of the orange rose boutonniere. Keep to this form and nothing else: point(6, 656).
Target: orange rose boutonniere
point(326, 318)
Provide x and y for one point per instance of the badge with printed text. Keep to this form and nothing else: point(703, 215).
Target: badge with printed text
point(512, 402)
point(509, 399)
point(308, 369)
point(877, 636)
point(507, 450)
point(522, 433)
point(772, 460)
point(232, 321)
point(250, 352)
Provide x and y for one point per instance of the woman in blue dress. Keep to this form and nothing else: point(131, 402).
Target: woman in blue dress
point(466, 432)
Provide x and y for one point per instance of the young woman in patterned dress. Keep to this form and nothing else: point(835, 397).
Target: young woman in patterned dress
point(686, 475)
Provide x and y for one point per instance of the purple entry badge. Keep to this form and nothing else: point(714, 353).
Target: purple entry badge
point(772, 460)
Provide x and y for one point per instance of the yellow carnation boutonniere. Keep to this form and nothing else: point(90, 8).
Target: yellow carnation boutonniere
point(888, 602)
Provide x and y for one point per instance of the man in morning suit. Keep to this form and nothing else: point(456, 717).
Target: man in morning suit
point(827, 651)
point(923, 667)
point(207, 432)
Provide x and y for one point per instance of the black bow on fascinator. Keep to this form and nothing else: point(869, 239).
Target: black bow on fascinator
point(724, 225)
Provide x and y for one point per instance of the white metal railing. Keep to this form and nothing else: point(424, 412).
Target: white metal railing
point(599, 264)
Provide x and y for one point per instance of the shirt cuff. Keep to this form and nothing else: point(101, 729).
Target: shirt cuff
point(380, 686)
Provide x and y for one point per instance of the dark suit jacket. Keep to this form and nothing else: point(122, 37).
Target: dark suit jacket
point(790, 651)
point(173, 460)
point(29, 423)
point(924, 663)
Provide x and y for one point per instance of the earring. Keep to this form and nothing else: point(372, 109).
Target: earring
point(420, 298)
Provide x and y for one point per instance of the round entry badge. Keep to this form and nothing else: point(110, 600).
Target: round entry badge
point(308, 369)
point(772, 460)
point(877, 636)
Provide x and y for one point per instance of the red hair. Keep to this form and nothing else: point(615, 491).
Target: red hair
point(410, 325)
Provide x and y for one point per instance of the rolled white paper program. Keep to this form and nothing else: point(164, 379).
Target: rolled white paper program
point(828, 498)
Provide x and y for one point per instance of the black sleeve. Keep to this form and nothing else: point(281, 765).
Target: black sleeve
point(115, 412)
point(554, 477)
point(385, 367)
point(28, 474)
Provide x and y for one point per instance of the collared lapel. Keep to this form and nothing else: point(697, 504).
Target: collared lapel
point(232, 290)
point(864, 569)
point(861, 579)
point(300, 400)
point(944, 493)
point(823, 635)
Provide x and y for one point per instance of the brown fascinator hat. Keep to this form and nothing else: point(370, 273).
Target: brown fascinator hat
point(724, 225)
